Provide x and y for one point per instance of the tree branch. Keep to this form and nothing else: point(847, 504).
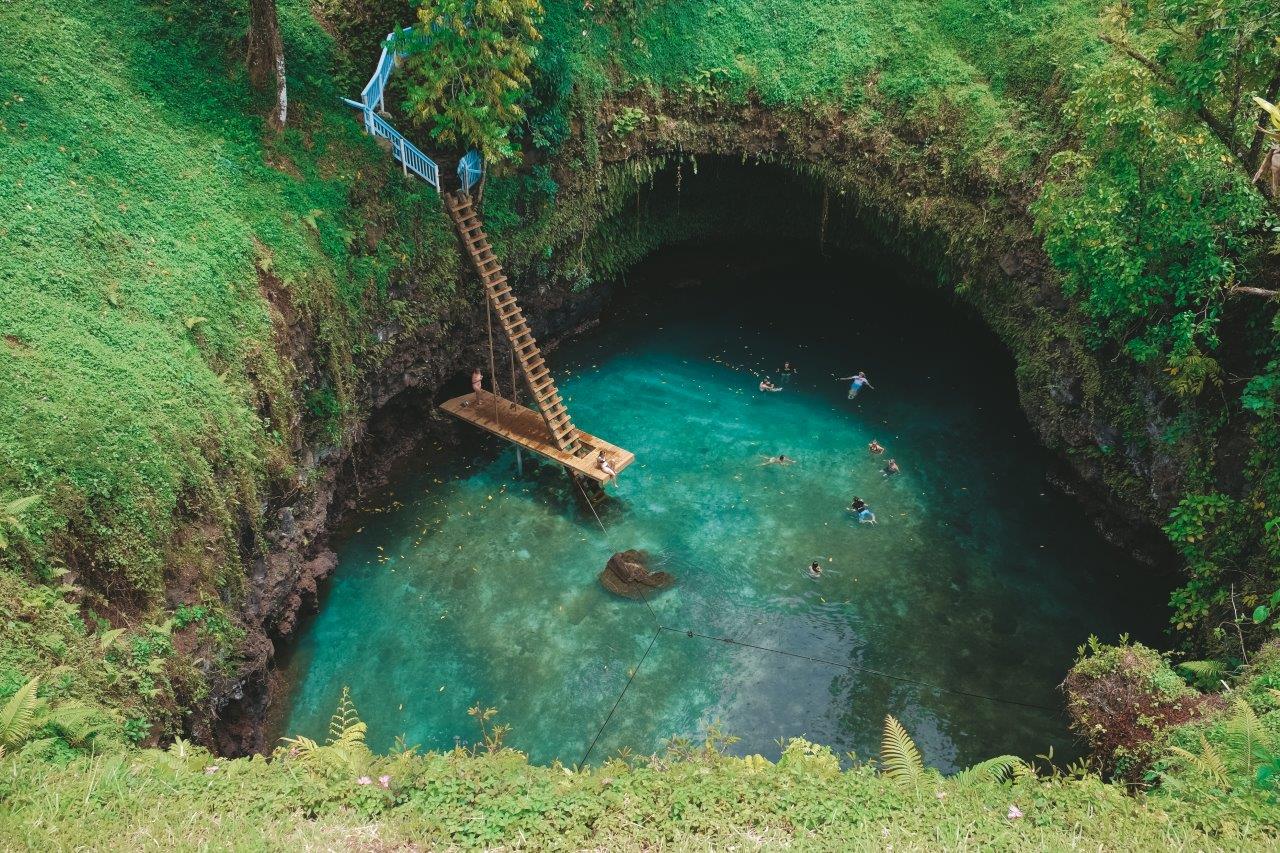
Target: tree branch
point(1219, 129)
point(1255, 291)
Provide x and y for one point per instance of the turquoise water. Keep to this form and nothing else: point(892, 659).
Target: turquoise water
point(465, 584)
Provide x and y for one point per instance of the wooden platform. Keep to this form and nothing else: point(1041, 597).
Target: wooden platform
point(529, 430)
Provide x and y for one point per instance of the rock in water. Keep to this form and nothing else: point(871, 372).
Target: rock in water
point(627, 574)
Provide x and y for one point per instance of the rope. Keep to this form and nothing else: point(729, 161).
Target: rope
point(515, 386)
point(493, 370)
point(634, 671)
point(590, 505)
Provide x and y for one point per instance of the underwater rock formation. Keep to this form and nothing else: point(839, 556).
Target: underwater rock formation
point(627, 574)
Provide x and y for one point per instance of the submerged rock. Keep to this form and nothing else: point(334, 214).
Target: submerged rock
point(627, 574)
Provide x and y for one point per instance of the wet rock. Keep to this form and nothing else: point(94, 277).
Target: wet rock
point(627, 574)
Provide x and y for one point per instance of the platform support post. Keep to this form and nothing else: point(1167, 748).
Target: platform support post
point(519, 462)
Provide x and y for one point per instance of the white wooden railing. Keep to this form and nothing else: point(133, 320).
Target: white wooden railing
point(412, 160)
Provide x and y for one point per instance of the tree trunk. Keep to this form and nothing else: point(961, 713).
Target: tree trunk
point(266, 56)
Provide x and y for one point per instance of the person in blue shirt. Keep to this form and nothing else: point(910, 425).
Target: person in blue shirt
point(857, 381)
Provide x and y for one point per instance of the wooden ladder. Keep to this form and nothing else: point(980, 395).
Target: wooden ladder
point(503, 302)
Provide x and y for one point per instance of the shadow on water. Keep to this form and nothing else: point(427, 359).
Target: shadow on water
point(959, 611)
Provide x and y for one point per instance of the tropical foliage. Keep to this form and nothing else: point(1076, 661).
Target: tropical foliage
point(468, 64)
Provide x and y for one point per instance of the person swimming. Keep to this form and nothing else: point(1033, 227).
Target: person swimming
point(787, 372)
point(857, 381)
point(861, 511)
point(780, 459)
point(766, 385)
point(815, 570)
point(892, 468)
point(875, 447)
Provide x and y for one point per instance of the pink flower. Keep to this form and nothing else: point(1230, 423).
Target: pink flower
point(1014, 812)
point(364, 780)
point(384, 781)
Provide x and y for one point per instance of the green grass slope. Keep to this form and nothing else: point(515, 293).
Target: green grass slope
point(140, 206)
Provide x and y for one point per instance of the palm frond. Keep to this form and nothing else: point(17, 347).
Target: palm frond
point(899, 755)
point(18, 719)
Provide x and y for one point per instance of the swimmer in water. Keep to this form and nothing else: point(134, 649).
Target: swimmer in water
point(857, 381)
point(780, 459)
point(892, 468)
point(875, 447)
point(861, 511)
point(815, 570)
point(766, 385)
point(787, 372)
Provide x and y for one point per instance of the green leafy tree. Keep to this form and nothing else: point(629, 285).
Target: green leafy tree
point(1155, 218)
point(1209, 59)
point(468, 64)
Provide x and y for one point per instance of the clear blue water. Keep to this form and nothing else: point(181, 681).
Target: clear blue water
point(464, 584)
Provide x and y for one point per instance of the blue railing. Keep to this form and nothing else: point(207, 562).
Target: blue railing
point(412, 160)
point(470, 170)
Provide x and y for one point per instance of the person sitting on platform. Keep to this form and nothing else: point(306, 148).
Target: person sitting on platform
point(766, 385)
point(603, 465)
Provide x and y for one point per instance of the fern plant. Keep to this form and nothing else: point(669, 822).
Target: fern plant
point(11, 517)
point(345, 746)
point(998, 769)
point(344, 718)
point(26, 714)
point(1205, 673)
point(18, 719)
point(899, 756)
